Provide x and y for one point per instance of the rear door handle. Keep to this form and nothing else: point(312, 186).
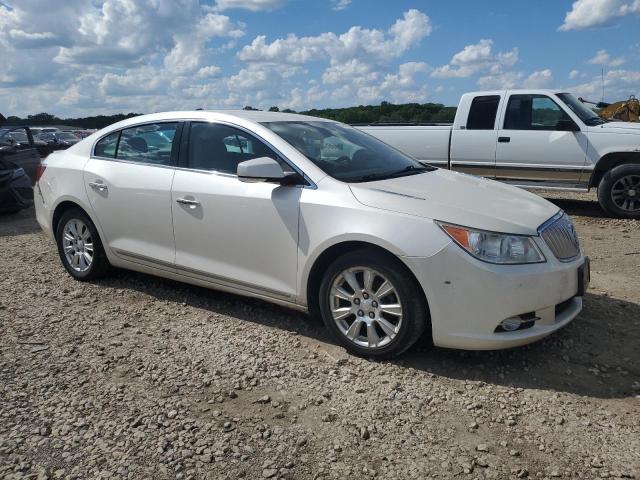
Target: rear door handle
point(188, 202)
point(504, 139)
point(100, 186)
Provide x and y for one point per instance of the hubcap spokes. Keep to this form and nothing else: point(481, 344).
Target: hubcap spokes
point(77, 245)
point(626, 193)
point(366, 307)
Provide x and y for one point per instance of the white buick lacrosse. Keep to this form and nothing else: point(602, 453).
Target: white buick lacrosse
point(318, 216)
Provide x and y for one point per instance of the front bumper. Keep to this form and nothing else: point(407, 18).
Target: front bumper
point(468, 298)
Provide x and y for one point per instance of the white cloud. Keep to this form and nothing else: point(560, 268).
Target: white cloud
point(574, 74)
point(602, 57)
point(594, 13)
point(340, 4)
point(505, 80)
point(618, 85)
point(509, 80)
point(357, 42)
point(539, 79)
point(476, 58)
point(252, 5)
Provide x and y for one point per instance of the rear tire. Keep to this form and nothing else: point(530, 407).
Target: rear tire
point(619, 191)
point(372, 304)
point(79, 246)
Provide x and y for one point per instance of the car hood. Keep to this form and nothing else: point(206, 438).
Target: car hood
point(618, 127)
point(460, 199)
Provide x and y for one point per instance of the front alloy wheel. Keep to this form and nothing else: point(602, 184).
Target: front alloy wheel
point(366, 307)
point(625, 193)
point(372, 303)
point(619, 191)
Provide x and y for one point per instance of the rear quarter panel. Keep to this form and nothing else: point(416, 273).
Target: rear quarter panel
point(62, 181)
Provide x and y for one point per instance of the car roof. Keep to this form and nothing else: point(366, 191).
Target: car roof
point(213, 115)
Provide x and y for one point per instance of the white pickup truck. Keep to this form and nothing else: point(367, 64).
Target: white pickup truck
point(532, 139)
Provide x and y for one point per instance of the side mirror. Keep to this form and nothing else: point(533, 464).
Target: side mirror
point(263, 169)
point(567, 125)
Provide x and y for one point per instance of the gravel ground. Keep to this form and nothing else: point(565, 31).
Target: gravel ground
point(139, 377)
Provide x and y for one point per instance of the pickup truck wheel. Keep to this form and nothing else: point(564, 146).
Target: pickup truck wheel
point(372, 304)
point(619, 191)
point(79, 246)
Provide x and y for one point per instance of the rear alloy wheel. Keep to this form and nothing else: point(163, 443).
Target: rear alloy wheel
point(79, 246)
point(372, 304)
point(619, 191)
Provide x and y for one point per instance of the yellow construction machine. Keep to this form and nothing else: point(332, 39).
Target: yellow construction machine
point(624, 111)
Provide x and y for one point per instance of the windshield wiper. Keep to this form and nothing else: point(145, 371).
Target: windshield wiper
point(408, 170)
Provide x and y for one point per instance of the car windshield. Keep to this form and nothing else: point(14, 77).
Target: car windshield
point(345, 153)
point(588, 116)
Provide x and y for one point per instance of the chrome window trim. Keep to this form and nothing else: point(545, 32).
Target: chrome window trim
point(312, 185)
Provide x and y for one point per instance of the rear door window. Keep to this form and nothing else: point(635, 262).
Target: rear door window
point(151, 143)
point(106, 147)
point(482, 114)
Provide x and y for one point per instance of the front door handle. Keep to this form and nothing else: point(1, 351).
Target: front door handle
point(99, 186)
point(188, 202)
point(504, 139)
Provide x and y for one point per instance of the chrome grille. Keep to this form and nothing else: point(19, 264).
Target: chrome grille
point(561, 237)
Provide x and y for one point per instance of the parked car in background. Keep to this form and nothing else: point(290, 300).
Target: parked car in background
point(260, 204)
point(18, 147)
point(59, 140)
point(16, 191)
point(83, 133)
point(533, 139)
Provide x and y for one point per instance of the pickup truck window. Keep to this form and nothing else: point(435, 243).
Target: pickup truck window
point(588, 116)
point(345, 153)
point(533, 112)
point(482, 114)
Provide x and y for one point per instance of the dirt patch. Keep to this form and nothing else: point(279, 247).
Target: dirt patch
point(139, 377)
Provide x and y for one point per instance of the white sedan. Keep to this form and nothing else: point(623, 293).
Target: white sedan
point(318, 216)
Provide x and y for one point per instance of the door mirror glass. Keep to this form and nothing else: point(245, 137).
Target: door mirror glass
point(262, 169)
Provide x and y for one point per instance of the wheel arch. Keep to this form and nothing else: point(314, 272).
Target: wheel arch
point(609, 161)
point(314, 277)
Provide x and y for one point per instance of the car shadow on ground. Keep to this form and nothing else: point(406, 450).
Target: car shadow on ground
point(581, 208)
point(19, 223)
point(593, 356)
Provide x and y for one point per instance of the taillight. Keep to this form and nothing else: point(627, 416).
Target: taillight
point(39, 171)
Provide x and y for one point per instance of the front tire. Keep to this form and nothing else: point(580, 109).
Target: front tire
point(79, 246)
point(372, 304)
point(619, 191)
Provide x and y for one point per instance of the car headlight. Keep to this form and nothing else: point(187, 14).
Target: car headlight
point(494, 247)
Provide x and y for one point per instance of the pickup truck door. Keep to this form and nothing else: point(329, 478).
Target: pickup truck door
point(473, 143)
point(539, 144)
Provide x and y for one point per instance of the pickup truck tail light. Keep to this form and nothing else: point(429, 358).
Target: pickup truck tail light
point(39, 171)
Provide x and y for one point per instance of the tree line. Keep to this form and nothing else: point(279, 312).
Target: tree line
point(384, 113)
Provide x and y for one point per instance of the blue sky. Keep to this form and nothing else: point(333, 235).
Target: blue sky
point(107, 56)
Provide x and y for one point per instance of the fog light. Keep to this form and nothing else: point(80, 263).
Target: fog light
point(520, 322)
point(511, 324)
